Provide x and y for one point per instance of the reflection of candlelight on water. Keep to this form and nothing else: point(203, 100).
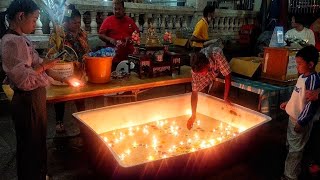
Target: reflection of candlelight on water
point(122, 156)
point(134, 144)
point(241, 129)
point(128, 151)
point(198, 122)
point(150, 158)
point(154, 142)
point(212, 141)
point(188, 112)
point(168, 138)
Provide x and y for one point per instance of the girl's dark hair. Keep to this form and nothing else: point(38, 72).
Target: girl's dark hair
point(16, 6)
point(198, 62)
point(300, 19)
point(3, 26)
point(309, 54)
point(208, 9)
point(74, 13)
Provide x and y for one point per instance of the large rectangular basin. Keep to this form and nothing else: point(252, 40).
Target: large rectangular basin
point(198, 159)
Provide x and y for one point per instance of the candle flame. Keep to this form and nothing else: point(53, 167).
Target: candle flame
point(242, 128)
point(75, 84)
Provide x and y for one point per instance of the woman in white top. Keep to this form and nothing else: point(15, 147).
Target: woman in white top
point(298, 31)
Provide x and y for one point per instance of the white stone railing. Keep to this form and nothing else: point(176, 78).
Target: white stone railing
point(226, 25)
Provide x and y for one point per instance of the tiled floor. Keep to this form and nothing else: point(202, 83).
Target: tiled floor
point(67, 159)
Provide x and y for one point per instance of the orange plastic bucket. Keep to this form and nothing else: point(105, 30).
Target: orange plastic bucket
point(98, 69)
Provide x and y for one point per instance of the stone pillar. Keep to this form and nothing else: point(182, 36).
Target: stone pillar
point(163, 23)
point(178, 22)
point(157, 21)
point(136, 20)
point(3, 10)
point(38, 26)
point(51, 26)
point(185, 21)
point(83, 25)
point(170, 25)
point(145, 24)
point(93, 24)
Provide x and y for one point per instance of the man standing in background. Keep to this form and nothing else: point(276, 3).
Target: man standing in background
point(116, 31)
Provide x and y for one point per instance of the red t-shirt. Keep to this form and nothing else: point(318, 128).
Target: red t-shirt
point(119, 29)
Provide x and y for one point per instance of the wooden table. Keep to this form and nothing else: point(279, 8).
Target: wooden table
point(132, 83)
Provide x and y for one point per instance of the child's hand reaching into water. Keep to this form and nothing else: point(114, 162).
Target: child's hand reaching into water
point(191, 121)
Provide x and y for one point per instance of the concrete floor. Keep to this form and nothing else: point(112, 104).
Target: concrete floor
point(67, 158)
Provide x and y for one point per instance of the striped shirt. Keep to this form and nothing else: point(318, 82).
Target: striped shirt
point(298, 107)
point(218, 64)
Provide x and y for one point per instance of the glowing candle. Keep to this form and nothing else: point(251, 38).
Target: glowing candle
point(105, 139)
point(150, 158)
point(212, 141)
point(121, 136)
point(198, 122)
point(145, 130)
point(128, 151)
point(134, 144)
point(241, 129)
point(122, 156)
point(203, 144)
point(175, 133)
point(154, 142)
point(196, 136)
point(75, 84)
point(188, 112)
point(162, 144)
point(130, 133)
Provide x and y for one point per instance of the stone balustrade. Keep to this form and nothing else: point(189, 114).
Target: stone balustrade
point(163, 18)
